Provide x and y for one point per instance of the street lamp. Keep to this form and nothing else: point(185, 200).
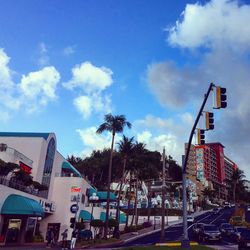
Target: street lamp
point(163, 196)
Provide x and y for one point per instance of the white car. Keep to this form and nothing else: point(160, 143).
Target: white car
point(190, 219)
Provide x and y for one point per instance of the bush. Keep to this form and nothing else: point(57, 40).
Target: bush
point(112, 223)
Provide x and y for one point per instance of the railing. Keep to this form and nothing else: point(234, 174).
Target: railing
point(27, 189)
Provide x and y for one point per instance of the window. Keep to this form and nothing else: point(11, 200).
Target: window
point(49, 160)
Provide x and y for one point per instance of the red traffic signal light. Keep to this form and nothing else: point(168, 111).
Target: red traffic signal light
point(201, 136)
point(221, 97)
point(209, 120)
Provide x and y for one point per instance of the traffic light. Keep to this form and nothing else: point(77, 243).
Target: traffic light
point(72, 222)
point(221, 97)
point(201, 136)
point(209, 120)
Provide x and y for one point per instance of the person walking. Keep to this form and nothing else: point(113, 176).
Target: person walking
point(73, 238)
point(64, 239)
point(49, 238)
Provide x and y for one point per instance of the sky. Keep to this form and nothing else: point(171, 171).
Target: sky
point(65, 64)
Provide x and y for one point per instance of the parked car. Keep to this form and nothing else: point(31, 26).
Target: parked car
point(216, 210)
point(238, 231)
point(244, 239)
point(197, 229)
point(226, 229)
point(190, 219)
point(210, 233)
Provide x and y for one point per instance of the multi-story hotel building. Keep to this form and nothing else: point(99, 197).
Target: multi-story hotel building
point(209, 167)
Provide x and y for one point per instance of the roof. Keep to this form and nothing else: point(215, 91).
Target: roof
point(24, 134)
point(68, 166)
point(18, 204)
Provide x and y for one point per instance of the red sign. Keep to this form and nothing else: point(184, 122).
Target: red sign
point(75, 189)
point(25, 167)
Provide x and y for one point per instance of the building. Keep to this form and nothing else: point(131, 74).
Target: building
point(208, 166)
point(27, 210)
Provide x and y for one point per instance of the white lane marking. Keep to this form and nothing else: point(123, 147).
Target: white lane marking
point(199, 221)
point(216, 218)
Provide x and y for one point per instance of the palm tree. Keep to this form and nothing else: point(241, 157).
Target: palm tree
point(236, 178)
point(112, 124)
point(125, 148)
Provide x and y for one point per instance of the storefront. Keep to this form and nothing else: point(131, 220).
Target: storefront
point(20, 215)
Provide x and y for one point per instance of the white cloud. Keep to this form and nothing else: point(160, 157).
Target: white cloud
point(221, 28)
point(92, 81)
point(90, 78)
point(69, 50)
point(215, 24)
point(84, 105)
point(43, 59)
point(93, 141)
point(33, 91)
point(40, 83)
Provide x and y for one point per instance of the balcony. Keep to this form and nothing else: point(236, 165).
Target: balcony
point(26, 189)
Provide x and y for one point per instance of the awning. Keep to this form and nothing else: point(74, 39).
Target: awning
point(18, 204)
point(85, 215)
point(122, 218)
point(103, 196)
point(67, 166)
point(103, 216)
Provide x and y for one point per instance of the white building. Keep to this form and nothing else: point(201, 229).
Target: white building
point(25, 210)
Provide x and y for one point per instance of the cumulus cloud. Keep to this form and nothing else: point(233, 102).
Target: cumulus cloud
point(220, 27)
point(92, 81)
point(90, 78)
point(93, 141)
point(215, 24)
point(33, 91)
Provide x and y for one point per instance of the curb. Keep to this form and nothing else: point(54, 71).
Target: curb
point(175, 244)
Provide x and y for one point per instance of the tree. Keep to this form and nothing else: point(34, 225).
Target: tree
point(112, 124)
point(126, 149)
point(6, 168)
point(237, 180)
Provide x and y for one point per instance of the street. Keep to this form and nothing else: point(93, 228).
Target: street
point(174, 232)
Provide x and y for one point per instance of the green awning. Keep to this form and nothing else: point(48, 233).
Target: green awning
point(85, 215)
point(103, 216)
point(103, 196)
point(67, 166)
point(122, 218)
point(18, 204)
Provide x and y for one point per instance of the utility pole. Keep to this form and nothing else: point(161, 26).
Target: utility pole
point(185, 242)
point(163, 196)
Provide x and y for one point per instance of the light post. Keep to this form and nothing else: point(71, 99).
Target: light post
point(163, 196)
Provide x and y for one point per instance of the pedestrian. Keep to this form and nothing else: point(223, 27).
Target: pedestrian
point(64, 239)
point(73, 238)
point(49, 238)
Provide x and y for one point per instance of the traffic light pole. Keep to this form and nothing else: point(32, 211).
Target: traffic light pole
point(185, 242)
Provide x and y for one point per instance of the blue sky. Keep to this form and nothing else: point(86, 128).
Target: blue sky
point(64, 64)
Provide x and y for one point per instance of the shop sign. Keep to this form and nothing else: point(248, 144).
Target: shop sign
point(75, 189)
point(48, 206)
point(27, 169)
point(74, 208)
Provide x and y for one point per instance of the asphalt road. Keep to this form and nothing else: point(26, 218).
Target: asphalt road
point(174, 233)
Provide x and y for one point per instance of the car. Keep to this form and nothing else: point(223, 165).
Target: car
point(190, 219)
point(244, 239)
point(226, 229)
point(209, 232)
point(197, 228)
point(216, 210)
point(248, 208)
